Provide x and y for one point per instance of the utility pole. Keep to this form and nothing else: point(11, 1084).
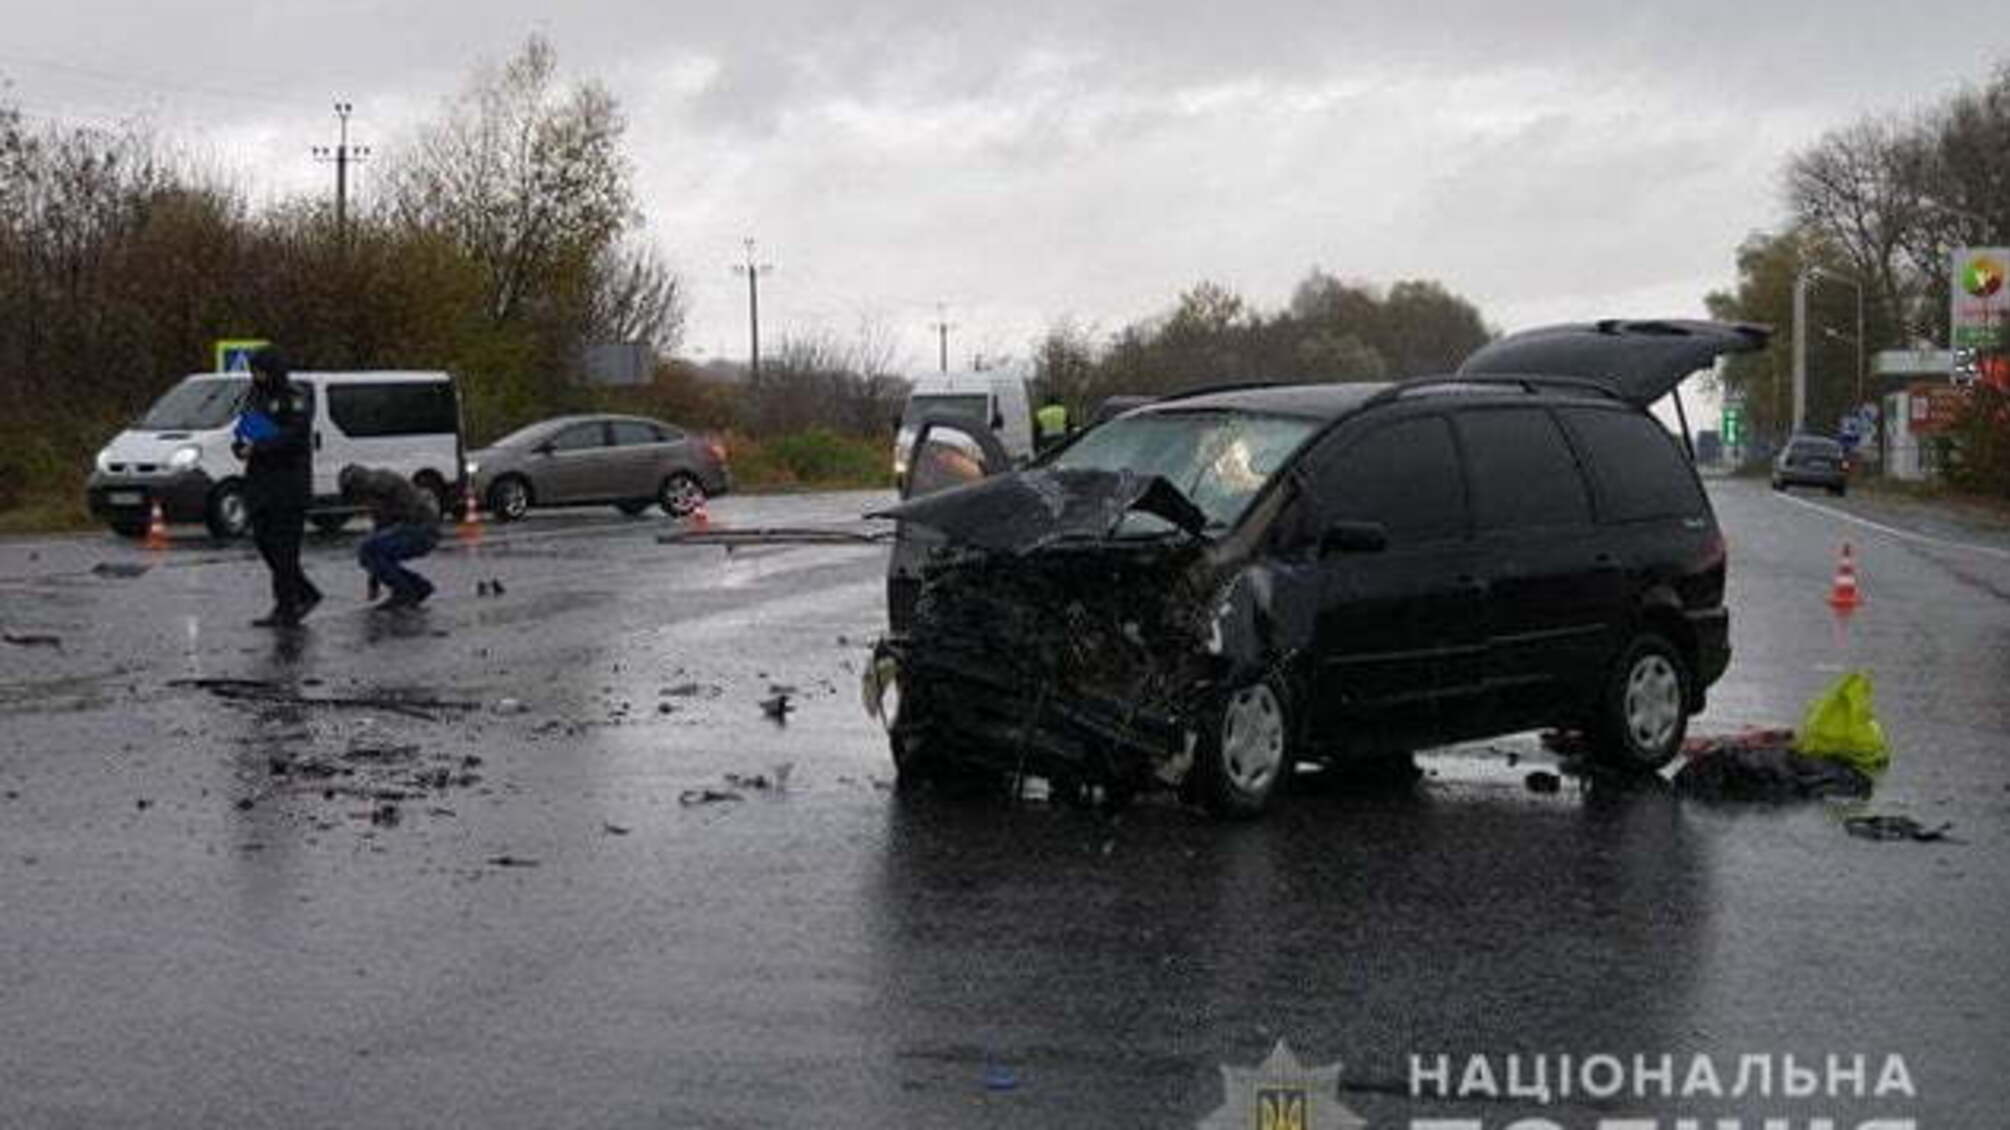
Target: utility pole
point(753, 270)
point(941, 327)
point(342, 154)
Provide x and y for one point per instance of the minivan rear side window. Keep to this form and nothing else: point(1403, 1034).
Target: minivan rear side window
point(1639, 471)
point(1405, 476)
point(1522, 471)
point(393, 408)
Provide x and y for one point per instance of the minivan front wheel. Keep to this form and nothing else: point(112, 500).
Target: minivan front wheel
point(1246, 751)
point(1643, 714)
point(228, 513)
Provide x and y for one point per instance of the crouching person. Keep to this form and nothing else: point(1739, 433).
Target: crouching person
point(408, 525)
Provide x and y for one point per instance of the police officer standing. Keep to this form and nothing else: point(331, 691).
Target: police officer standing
point(275, 440)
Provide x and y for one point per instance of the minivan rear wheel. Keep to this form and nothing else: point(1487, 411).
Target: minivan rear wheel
point(1246, 751)
point(1643, 712)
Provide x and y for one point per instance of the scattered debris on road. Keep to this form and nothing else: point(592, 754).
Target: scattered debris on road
point(507, 860)
point(270, 691)
point(1762, 766)
point(777, 707)
point(690, 797)
point(1897, 828)
point(33, 639)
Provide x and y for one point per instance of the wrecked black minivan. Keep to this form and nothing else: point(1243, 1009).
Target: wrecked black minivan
point(1210, 589)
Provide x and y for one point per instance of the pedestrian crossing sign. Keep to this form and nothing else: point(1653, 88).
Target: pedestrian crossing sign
point(233, 355)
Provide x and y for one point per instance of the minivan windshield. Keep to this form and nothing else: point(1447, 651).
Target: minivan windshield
point(196, 405)
point(1218, 459)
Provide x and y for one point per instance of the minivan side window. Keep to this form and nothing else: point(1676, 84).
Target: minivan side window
point(1639, 472)
point(1522, 470)
point(1404, 475)
point(393, 408)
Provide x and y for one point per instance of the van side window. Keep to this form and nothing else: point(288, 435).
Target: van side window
point(1639, 471)
point(1405, 476)
point(1522, 471)
point(393, 408)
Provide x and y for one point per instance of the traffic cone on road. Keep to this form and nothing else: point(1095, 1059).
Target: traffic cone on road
point(157, 528)
point(1843, 595)
point(700, 518)
point(470, 528)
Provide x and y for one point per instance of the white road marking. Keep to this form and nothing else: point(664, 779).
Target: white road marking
point(1894, 531)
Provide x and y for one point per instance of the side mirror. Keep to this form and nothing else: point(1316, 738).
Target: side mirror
point(997, 421)
point(1353, 537)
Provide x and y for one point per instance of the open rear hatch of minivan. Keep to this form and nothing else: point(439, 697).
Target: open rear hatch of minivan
point(1641, 360)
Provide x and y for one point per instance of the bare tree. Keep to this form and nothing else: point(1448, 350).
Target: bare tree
point(636, 297)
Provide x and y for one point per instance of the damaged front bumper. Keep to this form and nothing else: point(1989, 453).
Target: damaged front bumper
point(973, 716)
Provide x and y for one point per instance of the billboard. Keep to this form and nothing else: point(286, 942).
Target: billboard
point(1980, 299)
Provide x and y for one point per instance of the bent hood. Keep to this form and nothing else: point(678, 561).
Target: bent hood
point(1642, 360)
point(1023, 510)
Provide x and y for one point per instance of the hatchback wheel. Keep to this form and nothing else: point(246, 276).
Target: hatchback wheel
point(509, 498)
point(1644, 713)
point(1246, 752)
point(680, 494)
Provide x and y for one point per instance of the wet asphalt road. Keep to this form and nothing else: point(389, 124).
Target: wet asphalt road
point(263, 911)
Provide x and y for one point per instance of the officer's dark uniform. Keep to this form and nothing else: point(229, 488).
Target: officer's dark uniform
point(279, 483)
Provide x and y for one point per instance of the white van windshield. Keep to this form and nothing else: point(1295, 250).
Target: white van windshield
point(198, 405)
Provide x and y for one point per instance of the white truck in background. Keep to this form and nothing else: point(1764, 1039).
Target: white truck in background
point(995, 398)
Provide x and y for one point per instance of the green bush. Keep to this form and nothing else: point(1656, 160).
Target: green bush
point(816, 457)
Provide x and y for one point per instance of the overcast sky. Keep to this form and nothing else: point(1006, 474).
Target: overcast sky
point(1024, 162)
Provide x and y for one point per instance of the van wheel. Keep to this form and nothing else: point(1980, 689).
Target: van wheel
point(509, 498)
point(1643, 713)
point(1246, 751)
point(329, 523)
point(227, 514)
point(680, 494)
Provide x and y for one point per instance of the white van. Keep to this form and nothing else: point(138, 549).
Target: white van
point(996, 398)
point(178, 452)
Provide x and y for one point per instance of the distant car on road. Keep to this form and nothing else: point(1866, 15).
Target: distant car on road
point(1812, 461)
point(627, 461)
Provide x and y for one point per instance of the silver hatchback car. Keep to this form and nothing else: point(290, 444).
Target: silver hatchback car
point(627, 461)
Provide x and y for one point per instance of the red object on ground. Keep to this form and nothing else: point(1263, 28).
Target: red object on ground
point(1843, 593)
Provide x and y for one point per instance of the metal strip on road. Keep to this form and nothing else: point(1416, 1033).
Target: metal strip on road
point(1894, 531)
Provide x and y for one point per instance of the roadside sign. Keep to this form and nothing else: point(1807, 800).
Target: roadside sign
point(233, 355)
point(1734, 425)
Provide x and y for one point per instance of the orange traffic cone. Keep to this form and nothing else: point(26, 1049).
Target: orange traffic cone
point(157, 528)
point(1843, 595)
point(700, 518)
point(470, 528)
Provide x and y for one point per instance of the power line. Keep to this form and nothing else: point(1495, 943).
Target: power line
point(153, 85)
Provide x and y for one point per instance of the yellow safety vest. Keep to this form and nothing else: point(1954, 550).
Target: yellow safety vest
point(1053, 421)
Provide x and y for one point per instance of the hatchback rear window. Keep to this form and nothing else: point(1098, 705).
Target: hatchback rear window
point(1639, 471)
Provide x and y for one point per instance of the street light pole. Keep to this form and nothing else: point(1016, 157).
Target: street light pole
point(1801, 283)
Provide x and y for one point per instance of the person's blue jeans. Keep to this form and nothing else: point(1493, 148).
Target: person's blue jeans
point(381, 554)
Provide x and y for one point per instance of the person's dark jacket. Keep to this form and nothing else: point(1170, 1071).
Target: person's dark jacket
point(279, 471)
point(392, 498)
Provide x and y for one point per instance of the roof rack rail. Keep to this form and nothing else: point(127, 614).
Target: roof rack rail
point(1529, 383)
point(1209, 390)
